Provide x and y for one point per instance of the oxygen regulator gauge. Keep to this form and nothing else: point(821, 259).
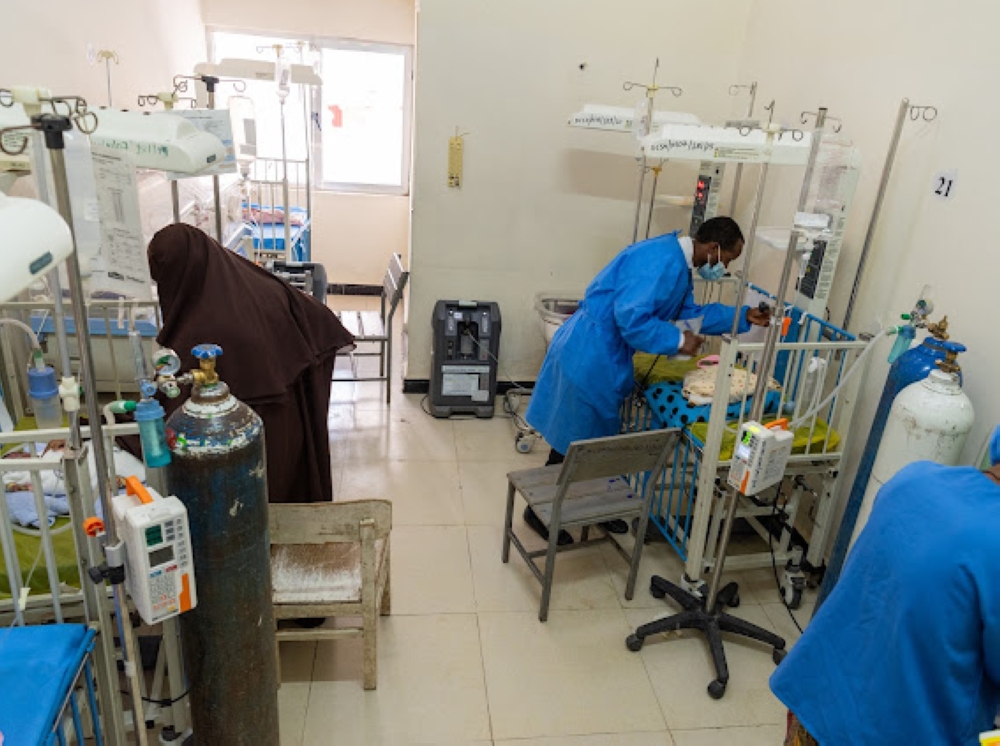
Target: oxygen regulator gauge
point(167, 364)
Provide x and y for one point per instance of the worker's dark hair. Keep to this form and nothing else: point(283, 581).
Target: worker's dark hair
point(725, 231)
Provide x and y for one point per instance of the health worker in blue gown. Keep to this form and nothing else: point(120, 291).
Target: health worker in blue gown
point(630, 307)
point(906, 650)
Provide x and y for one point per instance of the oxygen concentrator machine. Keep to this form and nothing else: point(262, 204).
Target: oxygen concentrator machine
point(466, 343)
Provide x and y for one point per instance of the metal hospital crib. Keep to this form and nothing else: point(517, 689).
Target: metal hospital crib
point(110, 321)
point(55, 646)
point(687, 508)
point(265, 213)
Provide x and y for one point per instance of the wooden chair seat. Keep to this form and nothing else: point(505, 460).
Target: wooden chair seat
point(320, 573)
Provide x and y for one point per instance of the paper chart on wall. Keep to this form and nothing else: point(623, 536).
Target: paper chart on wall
point(120, 267)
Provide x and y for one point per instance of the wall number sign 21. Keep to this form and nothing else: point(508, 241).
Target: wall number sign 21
point(944, 184)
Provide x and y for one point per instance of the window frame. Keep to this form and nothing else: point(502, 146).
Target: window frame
point(316, 154)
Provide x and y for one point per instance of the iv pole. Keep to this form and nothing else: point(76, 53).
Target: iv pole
point(169, 100)
point(733, 91)
point(646, 126)
point(766, 362)
point(52, 127)
point(928, 114)
point(180, 86)
point(755, 217)
point(706, 611)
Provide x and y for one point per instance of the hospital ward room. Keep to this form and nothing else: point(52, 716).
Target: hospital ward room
point(524, 373)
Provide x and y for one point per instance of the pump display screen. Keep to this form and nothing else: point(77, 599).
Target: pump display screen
point(744, 446)
point(159, 556)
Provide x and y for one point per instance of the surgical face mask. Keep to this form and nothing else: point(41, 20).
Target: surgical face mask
point(995, 447)
point(713, 272)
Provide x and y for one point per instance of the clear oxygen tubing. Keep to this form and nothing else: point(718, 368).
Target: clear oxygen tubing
point(26, 329)
point(856, 365)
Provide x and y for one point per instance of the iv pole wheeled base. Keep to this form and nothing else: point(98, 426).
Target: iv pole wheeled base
point(712, 623)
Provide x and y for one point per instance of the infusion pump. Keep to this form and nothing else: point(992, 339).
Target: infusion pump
point(159, 569)
point(760, 456)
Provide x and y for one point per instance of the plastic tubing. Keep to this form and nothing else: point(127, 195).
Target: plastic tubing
point(850, 371)
point(27, 330)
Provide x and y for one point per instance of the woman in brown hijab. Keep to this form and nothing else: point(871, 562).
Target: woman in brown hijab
point(279, 348)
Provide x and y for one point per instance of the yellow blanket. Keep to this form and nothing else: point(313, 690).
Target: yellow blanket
point(801, 443)
point(27, 552)
point(652, 369)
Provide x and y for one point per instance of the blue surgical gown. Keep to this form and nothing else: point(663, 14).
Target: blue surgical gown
point(906, 650)
point(629, 307)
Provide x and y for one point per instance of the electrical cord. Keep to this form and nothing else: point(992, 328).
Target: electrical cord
point(510, 409)
point(162, 702)
point(774, 561)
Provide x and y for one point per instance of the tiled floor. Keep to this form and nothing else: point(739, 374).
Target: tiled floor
point(463, 659)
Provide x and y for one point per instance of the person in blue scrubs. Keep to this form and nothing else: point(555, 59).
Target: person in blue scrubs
point(906, 649)
point(630, 307)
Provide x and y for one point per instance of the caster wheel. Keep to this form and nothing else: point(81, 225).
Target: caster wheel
point(523, 444)
point(734, 602)
point(634, 643)
point(717, 689)
point(796, 600)
point(657, 592)
point(778, 655)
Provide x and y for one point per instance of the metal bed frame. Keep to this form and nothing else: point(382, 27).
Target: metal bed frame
point(86, 604)
point(265, 188)
point(109, 321)
point(687, 508)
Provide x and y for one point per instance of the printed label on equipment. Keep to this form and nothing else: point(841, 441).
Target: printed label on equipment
point(479, 370)
point(459, 384)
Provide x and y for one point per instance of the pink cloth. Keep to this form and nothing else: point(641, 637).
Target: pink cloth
point(269, 216)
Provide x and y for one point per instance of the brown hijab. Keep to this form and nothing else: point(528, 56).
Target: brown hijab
point(279, 348)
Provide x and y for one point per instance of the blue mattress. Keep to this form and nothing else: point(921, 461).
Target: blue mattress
point(44, 323)
point(38, 666)
point(669, 408)
point(272, 235)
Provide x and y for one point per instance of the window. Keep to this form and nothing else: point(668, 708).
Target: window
point(360, 115)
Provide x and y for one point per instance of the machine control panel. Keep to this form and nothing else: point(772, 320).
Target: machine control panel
point(159, 572)
point(810, 282)
point(706, 194)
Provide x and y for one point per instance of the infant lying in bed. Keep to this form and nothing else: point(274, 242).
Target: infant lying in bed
point(17, 484)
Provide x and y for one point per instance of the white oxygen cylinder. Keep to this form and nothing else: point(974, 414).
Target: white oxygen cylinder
point(929, 421)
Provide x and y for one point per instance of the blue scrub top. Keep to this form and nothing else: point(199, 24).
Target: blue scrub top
point(629, 307)
point(906, 650)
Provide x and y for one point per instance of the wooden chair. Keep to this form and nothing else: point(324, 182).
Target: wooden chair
point(376, 326)
point(329, 560)
point(590, 487)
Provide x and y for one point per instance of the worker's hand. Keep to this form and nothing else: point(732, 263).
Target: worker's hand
point(55, 445)
point(691, 344)
point(759, 316)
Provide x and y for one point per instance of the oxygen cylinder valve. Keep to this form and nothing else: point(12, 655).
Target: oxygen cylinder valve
point(206, 354)
point(167, 364)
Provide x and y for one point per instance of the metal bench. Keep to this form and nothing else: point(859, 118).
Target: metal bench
point(376, 326)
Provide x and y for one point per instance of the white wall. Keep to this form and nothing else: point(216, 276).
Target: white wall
point(353, 234)
point(859, 58)
point(536, 210)
point(46, 44)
